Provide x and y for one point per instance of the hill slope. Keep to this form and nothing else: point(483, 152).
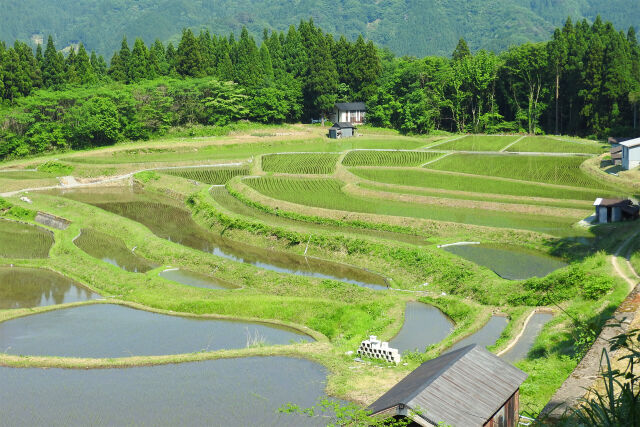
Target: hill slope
point(416, 27)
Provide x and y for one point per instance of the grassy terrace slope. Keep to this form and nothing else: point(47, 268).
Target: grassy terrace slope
point(552, 170)
point(311, 163)
point(478, 143)
point(552, 145)
point(327, 193)
point(388, 158)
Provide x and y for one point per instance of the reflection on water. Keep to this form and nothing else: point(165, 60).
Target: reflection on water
point(525, 343)
point(112, 250)
point(107, 330)
point(169, 221)
point(227, 392)
point(191, 278)
point(486, 336)
point(18, 240)
point(508, 261)
point(31, 287)
point(423, 325)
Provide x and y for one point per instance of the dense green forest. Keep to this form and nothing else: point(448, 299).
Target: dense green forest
point(415, 27)
point(585, 81)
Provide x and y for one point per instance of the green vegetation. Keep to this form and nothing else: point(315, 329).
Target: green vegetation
point(474, 184)
point(388, 158)
point(311, 164)
point(552, 170)
point(327, 193)
point(146, 176)
point(23, 240)
point(478, 143)
point(55, 168)
point(555, 145)
point(211, 175)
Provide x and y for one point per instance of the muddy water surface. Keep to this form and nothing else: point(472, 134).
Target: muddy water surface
point(32, 287)
point(108, 330)
point(486, 336)
point(520, 350)
point(423, 326)
point(190, 278)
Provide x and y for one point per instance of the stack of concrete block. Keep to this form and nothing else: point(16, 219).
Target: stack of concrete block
point(377, 349)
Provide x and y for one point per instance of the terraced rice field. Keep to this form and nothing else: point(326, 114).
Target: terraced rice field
point(18, 174)
point(542, 144)
point(19, 240)
point(328, 194)
point(553, 170)
point(389, 158)
point(426, 178)
point(299, 163)
point(211, 175)
point(478, 143)
point(111, 250)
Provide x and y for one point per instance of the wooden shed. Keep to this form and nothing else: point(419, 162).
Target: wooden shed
point(342, 130)
point(467, 387)
point(614, 210)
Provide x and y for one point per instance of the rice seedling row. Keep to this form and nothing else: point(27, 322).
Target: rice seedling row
point(213, 176)
point(542, 144)
point(388, 158)
point(426, 178)
point(563, 170)
point(478, 143)
point(307, 163)
point(23, 240)
point(327, 193)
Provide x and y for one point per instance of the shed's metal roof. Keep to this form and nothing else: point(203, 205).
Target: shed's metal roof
point(462, 388)
point(611, 202)
point(342, 125)
point(631, 143)
point(351, 106)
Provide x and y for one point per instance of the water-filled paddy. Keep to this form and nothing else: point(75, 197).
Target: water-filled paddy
point(508, 261)
point(108, 330)
point(520, 350)
point(486, 336)
point(32, 287)
point(169, 221)
point(228, 392)
point(423, 325)
point(21, 240)
point(190, 278)
point(111, 250)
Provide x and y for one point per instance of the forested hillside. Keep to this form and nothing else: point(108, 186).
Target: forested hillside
point(416, 27)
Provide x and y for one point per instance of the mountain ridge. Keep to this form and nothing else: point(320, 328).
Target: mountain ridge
point(407, 27)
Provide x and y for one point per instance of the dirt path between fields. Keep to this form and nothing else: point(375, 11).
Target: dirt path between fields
point(586, 373)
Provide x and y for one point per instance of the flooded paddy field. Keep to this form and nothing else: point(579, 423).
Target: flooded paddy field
point(190, 278)
point(20, 240)
point(508, 261)
point(423, 326)
point(32, 287)
point(520, 350)
point(486, 336)
point(111, 250)
point(169, 221)
point(108, 330)
point(229, 392)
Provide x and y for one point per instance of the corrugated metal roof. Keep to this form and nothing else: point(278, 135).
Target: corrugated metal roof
point(351, 106)
point(462, 388)
point(631, 143)
point(342, 125)
point(611, 202)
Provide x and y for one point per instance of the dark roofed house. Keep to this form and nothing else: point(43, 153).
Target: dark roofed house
point(616, 141)
point(342, 130)
point(352, 112)
point(466, 387)
point(614, 210)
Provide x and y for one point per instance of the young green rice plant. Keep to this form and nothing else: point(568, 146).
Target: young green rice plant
point(543, 144)
point(478, 143)
point(210, 175)
point(18, 240)
point(328, 194)
point(300, 163)
point(111, 250)
point(561, 170)
point(388, 158)
point(426, 178)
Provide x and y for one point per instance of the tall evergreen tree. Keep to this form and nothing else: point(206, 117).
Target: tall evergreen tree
point(125, 59)
point(139, 62)
point(53, 68)
point(224, 67)
point(322, 81)
point(248, 66)
point(188, 58)
point(158, 65)
point(461, 51)
point(83, 66)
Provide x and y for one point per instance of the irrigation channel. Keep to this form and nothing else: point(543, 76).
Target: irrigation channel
point(31, 287)
point(109, 330)
point(423, 326)
point(229, 392)
point(167, 220)
point(522, 347)
point(486, 336)
point(508, 261)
